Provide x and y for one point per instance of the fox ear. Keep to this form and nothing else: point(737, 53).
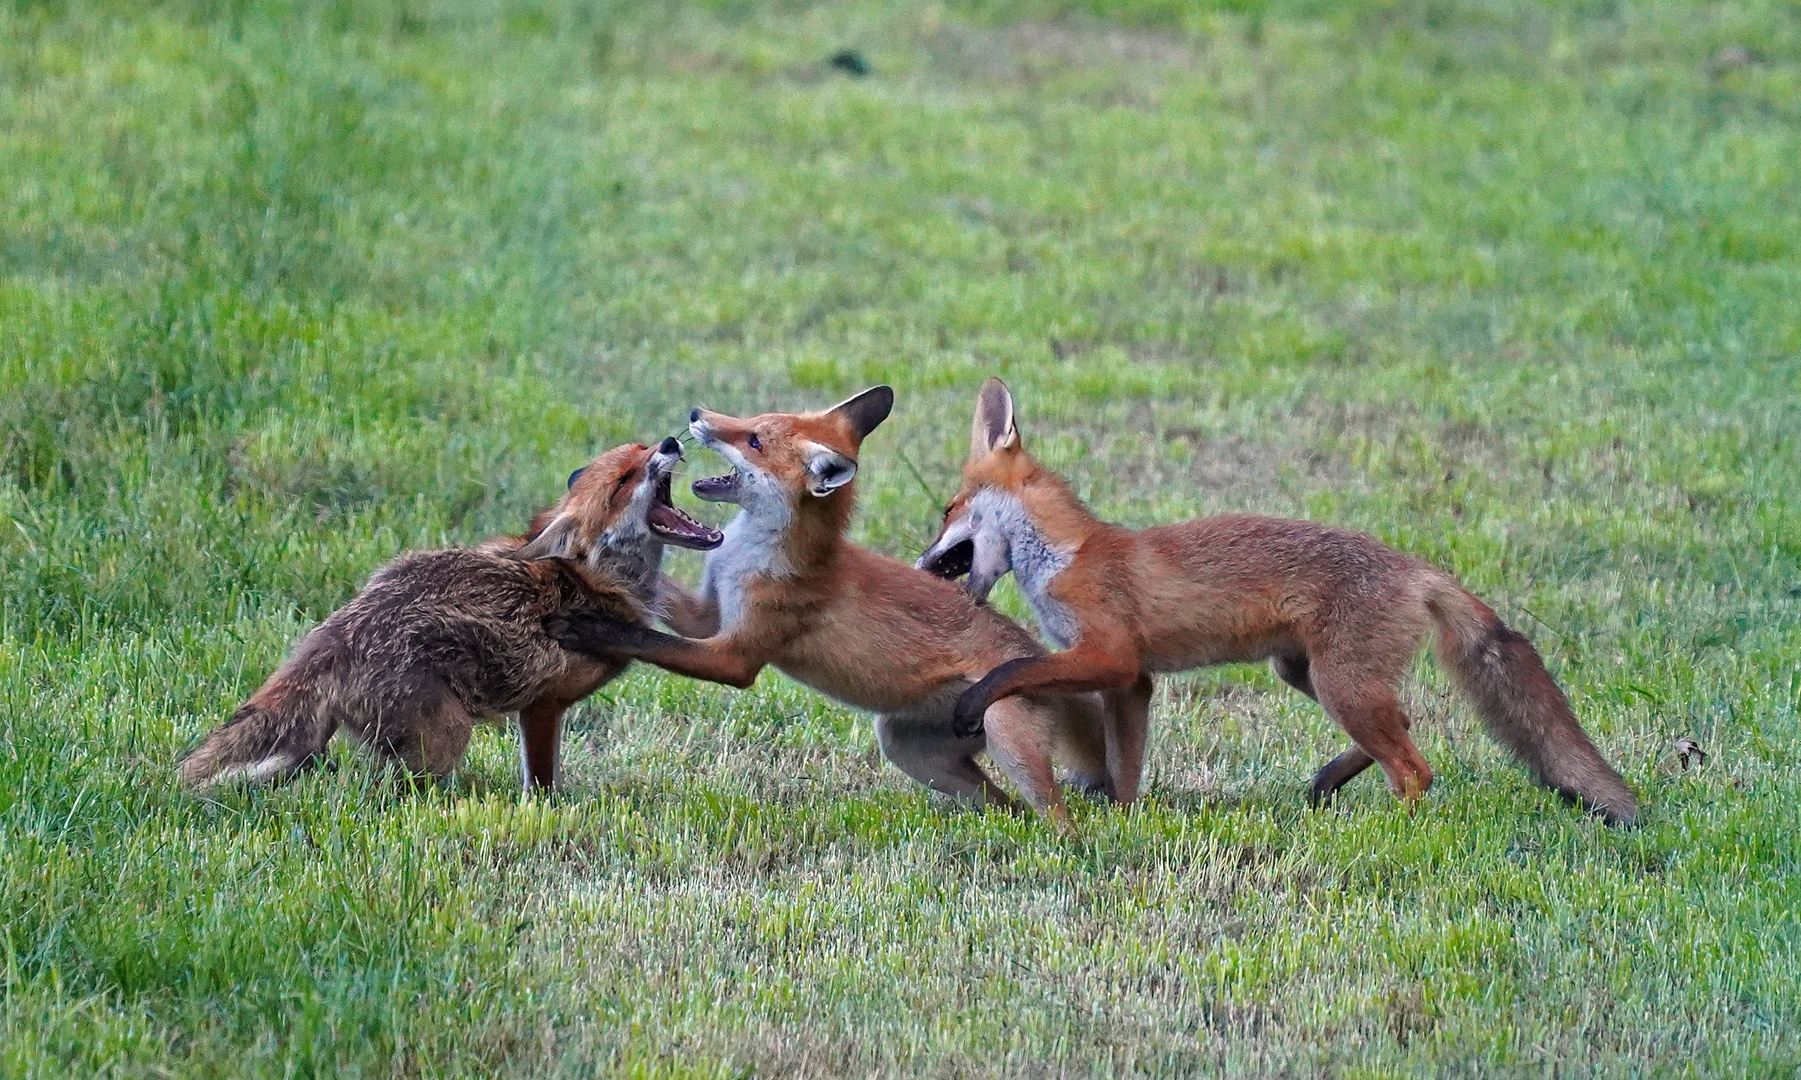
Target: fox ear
point(994, 428)
point(867, 410)
point(828, 470)
point(558, 539)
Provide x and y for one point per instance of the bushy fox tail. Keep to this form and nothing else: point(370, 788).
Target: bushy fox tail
point(282, 729)
point(1502, 675)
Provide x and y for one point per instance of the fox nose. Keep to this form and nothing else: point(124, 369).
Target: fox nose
point(670, 445)
point(693, 416)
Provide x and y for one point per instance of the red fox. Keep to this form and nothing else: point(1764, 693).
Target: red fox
point(441, 639)
point(1338, 613)
point(786, 588)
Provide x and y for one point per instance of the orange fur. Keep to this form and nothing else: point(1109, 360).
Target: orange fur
point(1339, 613)
point(787, 589)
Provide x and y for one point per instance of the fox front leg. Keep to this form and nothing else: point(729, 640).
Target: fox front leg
point(972, 704)
point(690, 614)
point(720, 660)
point(597, 636)
point(1097, 666)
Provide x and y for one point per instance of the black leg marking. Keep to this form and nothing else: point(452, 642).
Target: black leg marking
point(966, 721)
point(1336, 774)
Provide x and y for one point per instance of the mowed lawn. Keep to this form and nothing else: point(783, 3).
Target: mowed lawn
point(286, 289)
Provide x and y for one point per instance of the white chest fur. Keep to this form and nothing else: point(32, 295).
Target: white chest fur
point(1036, 563)
point(752, 548)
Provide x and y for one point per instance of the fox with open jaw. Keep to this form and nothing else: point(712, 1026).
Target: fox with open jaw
point(439, 640)
point(1338, 613)
point(785, 588)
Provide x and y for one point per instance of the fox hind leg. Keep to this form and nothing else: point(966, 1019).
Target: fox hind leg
point(432, 751)
point(1020, 735)
point(927, 752)
point(1128, 726)
point(429, 738)
point(1336, 773)
point(1080, 745)
point(1297, 671)
point(1370, 713)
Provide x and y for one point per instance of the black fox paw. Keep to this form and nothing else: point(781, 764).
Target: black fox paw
point(587, 631)
point(966, 720)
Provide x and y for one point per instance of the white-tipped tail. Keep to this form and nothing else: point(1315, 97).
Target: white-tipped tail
point(278, 732)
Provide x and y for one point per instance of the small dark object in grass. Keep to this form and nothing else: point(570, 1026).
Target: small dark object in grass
point(1687, 750)
point(851, 62)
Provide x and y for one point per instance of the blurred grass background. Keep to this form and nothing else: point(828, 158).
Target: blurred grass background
point(288, 288)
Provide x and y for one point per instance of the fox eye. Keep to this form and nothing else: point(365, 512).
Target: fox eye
point(623, 480)
point(755, 443)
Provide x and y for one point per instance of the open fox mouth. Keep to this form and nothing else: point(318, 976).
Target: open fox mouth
point(717, 488)
point(674, 527)
point(951, 563)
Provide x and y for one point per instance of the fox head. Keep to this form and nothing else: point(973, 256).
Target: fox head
point(617, 512)
point(1003, 505)
point(781, 460)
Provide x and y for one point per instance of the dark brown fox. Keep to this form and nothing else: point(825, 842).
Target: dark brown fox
point(439, 640)
point(1338, 613)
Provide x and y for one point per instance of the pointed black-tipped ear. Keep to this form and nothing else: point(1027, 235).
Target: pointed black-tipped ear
point(867, 410)
point(994, 429)
point(577, 475)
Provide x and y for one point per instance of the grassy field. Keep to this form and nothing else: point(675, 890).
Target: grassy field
point(288, 288)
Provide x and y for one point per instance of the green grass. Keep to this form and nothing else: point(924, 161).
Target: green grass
point(288, 288)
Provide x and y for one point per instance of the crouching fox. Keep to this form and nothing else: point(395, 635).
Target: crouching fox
point(439, 640)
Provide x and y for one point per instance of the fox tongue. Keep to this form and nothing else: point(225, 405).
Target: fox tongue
point(678, 528)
